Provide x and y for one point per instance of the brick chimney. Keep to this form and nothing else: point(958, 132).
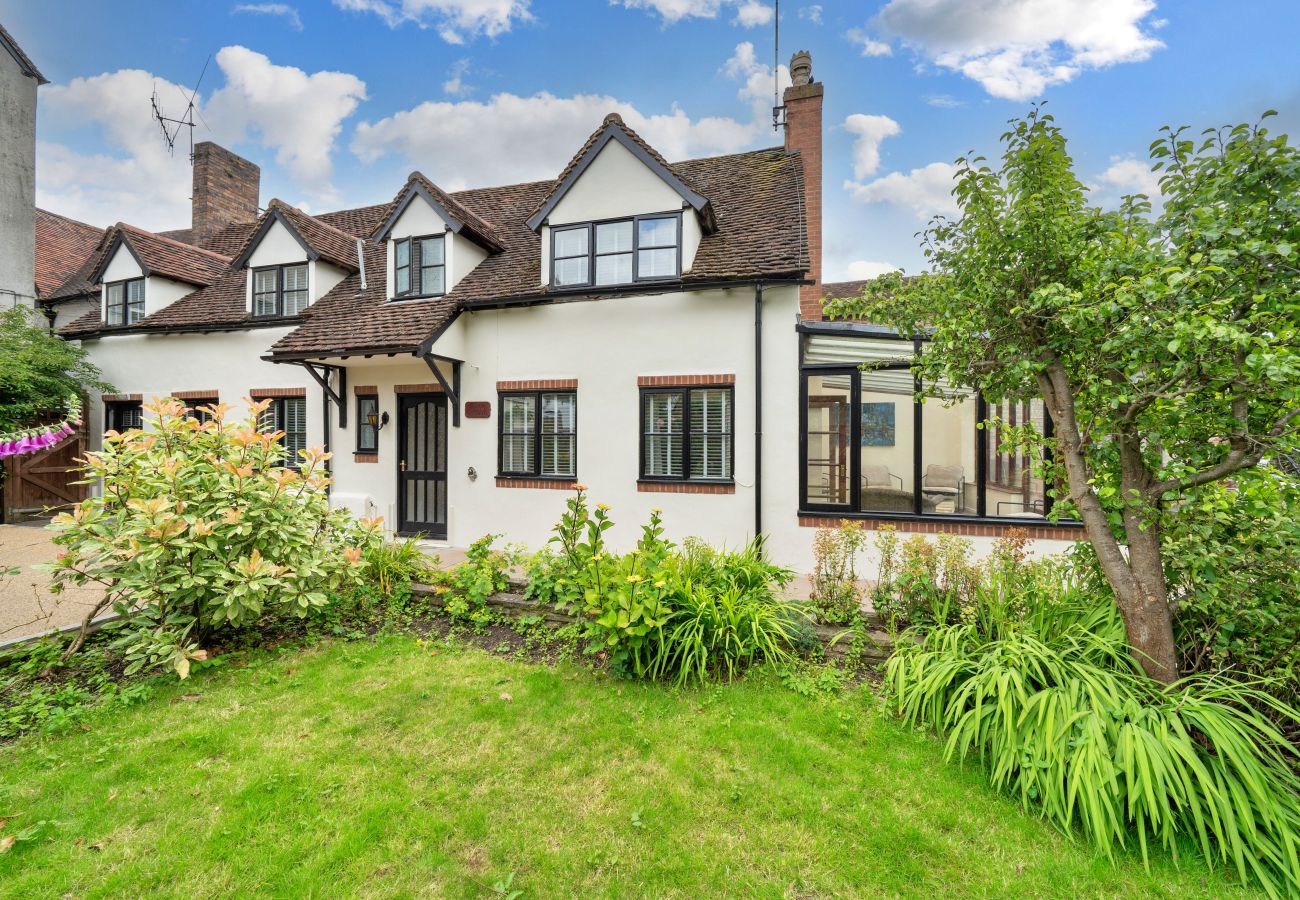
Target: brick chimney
point(226, 188)
point(803, 132)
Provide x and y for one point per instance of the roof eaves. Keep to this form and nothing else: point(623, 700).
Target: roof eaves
point(415, 187)
point(24, 61)
point(269, 218)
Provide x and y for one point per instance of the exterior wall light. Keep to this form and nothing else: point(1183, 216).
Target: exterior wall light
point(377, 420)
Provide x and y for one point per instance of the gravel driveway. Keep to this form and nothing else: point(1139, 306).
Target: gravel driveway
point(26, 605)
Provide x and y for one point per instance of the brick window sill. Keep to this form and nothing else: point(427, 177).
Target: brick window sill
point(685, 487)
point(555, 484)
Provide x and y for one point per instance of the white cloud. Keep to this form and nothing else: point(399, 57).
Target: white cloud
point(926, 191)
point(1018, 48)
point(133, 178)
point(812, 13)
point(289, 13)
point(470, 142)
point(861, 269)
point(455, 21)
point(752, 14)
point(869, 132)
point(455, 84)
point(867, 44)
point(1127, 175)
point(943, 101)
point(749, 13)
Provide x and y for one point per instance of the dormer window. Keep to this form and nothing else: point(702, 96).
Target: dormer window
point(622, 251)
point(280, 290)
point(125, 301)
point(419, 267)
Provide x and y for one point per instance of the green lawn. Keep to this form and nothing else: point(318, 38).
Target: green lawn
point(383, 769)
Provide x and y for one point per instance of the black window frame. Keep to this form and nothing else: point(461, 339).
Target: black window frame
point(276, 410)
point(591, 254)
point(127, 304)
point(192, 405)
point(685, 391)
point(113, 410)
point(364, 426)
point(851, 509)
point(415, 266)
point(279, 289)
point(537, 434)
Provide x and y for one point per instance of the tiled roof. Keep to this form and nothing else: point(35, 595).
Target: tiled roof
point(835, 290)
point(24, 62)
point(227, 241)
point(359, 222)
point(757, 200)
point(327, 242)
point(62, 247)
point(171, 259)
point(471, 225)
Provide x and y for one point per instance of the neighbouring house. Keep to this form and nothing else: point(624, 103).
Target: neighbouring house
point(650, 329)
point(19, 79)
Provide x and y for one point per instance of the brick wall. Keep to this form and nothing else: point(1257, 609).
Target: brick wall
point(803, 132)
point(225, 190)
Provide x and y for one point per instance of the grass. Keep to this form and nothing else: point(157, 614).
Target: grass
point(396, 769)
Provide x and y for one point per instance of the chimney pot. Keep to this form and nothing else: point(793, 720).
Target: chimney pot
point(801, 67)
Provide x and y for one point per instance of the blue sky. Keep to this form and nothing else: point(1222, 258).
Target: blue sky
point(338, 101)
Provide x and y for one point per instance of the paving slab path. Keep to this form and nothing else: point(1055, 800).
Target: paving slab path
point(27, 607)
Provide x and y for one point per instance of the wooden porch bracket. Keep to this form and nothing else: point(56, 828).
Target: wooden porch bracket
point(339, 396)
point(451, 390)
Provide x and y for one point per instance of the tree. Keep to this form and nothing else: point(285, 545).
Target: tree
point(39, 371)
point(1163, 347)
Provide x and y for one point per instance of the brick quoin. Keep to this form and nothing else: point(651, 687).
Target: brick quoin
point(803, 132)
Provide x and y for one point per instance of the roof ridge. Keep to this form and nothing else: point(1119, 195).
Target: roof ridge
point(123, 226)
point(276, 201)
point(50, 212)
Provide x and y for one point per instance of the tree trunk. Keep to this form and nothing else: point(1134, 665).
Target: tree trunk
point(1136, 580)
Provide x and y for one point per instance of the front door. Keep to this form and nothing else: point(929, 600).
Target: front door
point(422, 464)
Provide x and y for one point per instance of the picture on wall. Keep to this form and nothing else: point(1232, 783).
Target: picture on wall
point(878, 424)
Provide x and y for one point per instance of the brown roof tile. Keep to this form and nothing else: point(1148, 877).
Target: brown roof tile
point(359, 222)
point(62, 247)
point(172, 259)
point(327, 242)
point(477, 230)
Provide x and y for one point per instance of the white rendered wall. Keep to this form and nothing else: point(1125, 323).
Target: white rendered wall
point(17, 185)
point(460, 254)
point(159, 292)
point(155, 365)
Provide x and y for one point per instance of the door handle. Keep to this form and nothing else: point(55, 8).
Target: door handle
point(401, 466)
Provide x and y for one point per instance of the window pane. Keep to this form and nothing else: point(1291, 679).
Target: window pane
point(367, 436)
point(116, 304)
point(887, 444)
point(1013, 487)
point(826, 349)
point(517, 453)
point(711, 434)
point(135, 291)
point(663, 434)
point(657, 232)
point(948, 456)
point(517, 414)
point(657, 263)
point(265, 286)
point(571, 242)
point(403, 285)
point(827, 438)
point(294, 424)
point(558, 454)
point(403, 253)
point(295, 290)
point(431, 280)
point(616, 269)
point(558, 413)
point(571, 271)
point(431, 251)
point(614, 237)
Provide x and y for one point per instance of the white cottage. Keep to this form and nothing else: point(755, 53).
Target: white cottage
point(649, 329)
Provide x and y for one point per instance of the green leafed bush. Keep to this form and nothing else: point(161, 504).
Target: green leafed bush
point(1051, 701)
point(202, 527)
point(665, 612)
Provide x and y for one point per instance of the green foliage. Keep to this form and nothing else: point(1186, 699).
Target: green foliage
point(1233, 563)
point(201, 528)
point(484, 572)
point(663, 612)
point(834, 580)
point(1047, 695)
point(40, 371)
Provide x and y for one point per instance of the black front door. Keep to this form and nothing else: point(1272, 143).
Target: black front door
point(422, 464)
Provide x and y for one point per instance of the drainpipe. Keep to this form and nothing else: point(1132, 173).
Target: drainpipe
point(758, 409)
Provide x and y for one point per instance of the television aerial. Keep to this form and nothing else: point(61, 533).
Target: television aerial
point(171, 126)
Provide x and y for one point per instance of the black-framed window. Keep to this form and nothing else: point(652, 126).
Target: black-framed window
point(538, 434)
point(124, 301)
point(419, 266)
point(194, 410)
point(687, 434)
point(280, 290)
point(121, 415)
point(617, 251)
point(289, 415)
point(367, 434)
point(869, 446)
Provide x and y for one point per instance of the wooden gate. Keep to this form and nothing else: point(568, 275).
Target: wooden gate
point(35, 481)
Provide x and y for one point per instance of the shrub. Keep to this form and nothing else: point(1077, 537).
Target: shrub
point(202, 527)
point(1232, 558)
point(1048, 695)
point(834, 579)
point(919, 582)
point(485, 571)
point(661, 611)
